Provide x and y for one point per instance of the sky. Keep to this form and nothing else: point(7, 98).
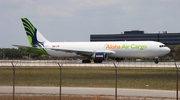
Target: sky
point(76, 20)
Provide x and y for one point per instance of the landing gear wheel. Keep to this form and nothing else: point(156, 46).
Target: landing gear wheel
point(98, 61)
point(156, 61)
point(86, 61)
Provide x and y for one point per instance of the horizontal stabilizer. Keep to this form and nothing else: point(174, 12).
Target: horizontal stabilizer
point(22, 46)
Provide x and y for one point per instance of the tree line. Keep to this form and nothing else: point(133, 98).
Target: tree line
point(24, 53)
point(20, 53)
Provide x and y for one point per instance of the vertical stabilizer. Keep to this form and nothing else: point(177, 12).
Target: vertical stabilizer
point(36, 39)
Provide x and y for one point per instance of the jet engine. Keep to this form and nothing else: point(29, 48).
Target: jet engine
point(99, 57)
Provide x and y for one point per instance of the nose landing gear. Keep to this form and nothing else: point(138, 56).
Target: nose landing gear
point(156, 60)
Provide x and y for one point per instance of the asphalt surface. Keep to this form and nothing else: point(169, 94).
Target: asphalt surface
point(87, 91)
point(29, 63)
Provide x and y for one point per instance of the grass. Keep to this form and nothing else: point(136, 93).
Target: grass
point(77, 97)
point(54, 97)
point(158, 78)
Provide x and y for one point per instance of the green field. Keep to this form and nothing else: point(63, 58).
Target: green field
point(148, 78)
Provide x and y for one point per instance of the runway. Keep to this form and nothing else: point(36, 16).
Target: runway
point(77, 63)
point(88, 91)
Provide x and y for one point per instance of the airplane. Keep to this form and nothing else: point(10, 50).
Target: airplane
point(97, 51)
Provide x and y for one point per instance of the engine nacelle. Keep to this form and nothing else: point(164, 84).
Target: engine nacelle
point(100, 55)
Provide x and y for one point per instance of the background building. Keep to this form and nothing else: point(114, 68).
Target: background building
point(170, 39)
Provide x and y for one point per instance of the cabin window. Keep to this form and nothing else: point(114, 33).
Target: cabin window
point(162, 45)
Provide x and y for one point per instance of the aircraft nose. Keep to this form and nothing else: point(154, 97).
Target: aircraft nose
point(167, 50)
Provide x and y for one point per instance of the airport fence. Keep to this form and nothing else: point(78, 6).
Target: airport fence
point(84, 73)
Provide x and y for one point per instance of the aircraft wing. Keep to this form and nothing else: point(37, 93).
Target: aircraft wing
point(77, 51)
point(81, 52)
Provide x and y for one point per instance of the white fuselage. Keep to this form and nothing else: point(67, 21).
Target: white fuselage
point(134, 49)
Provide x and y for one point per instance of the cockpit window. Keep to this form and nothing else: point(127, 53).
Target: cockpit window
point(162, 45)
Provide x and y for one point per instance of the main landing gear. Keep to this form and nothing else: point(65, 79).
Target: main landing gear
point(156, 60)
point(86, 61)
point(89, 61)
